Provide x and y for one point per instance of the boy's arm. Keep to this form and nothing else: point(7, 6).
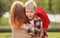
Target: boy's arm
point(45, 33)
point(37, 29)
point(41, 32)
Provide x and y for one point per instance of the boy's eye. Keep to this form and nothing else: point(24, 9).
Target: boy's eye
point(31, 11)
point(26, 11)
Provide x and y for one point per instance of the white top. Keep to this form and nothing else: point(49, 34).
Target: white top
point(32, 21)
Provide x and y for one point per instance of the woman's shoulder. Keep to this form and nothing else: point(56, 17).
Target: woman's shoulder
point(20, 32)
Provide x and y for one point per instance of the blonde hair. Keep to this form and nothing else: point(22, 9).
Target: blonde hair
point(30, 3)
point(17, 14)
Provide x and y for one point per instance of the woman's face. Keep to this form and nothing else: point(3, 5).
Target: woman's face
point(30, 13)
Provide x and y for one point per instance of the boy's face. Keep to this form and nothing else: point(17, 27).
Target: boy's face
point(30, 13)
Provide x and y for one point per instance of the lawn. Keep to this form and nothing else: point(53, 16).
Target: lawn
point(5, 22)
point(50, 35)
point(5, 35)
point(53, 34)
point(54, 24)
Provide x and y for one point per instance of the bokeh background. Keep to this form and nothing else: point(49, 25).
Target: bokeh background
point(52, 7)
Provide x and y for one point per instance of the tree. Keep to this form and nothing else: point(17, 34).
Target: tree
point(50, 10)
point(2, 8)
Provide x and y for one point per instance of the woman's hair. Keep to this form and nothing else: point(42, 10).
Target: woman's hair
point(17, 14)
point(30, 4)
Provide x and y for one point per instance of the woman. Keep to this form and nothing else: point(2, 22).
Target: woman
point(18, 21)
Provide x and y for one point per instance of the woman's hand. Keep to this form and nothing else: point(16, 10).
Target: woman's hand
point(24, 26)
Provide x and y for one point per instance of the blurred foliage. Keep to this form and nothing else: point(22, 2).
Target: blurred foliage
point(51, 6)
point(2, 8)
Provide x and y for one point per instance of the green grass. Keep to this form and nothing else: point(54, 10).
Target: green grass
point(53, 34)
point(5, 22)
point(55, 24)
point(5, 35)
point(50, 35)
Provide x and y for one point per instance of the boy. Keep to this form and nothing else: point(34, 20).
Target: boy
point(37, 27)
point(30, 8)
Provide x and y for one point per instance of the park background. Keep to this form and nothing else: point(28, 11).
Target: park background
point(52, 7)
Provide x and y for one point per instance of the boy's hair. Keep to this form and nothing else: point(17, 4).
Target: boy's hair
point(17, 14)
point(30, 4)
